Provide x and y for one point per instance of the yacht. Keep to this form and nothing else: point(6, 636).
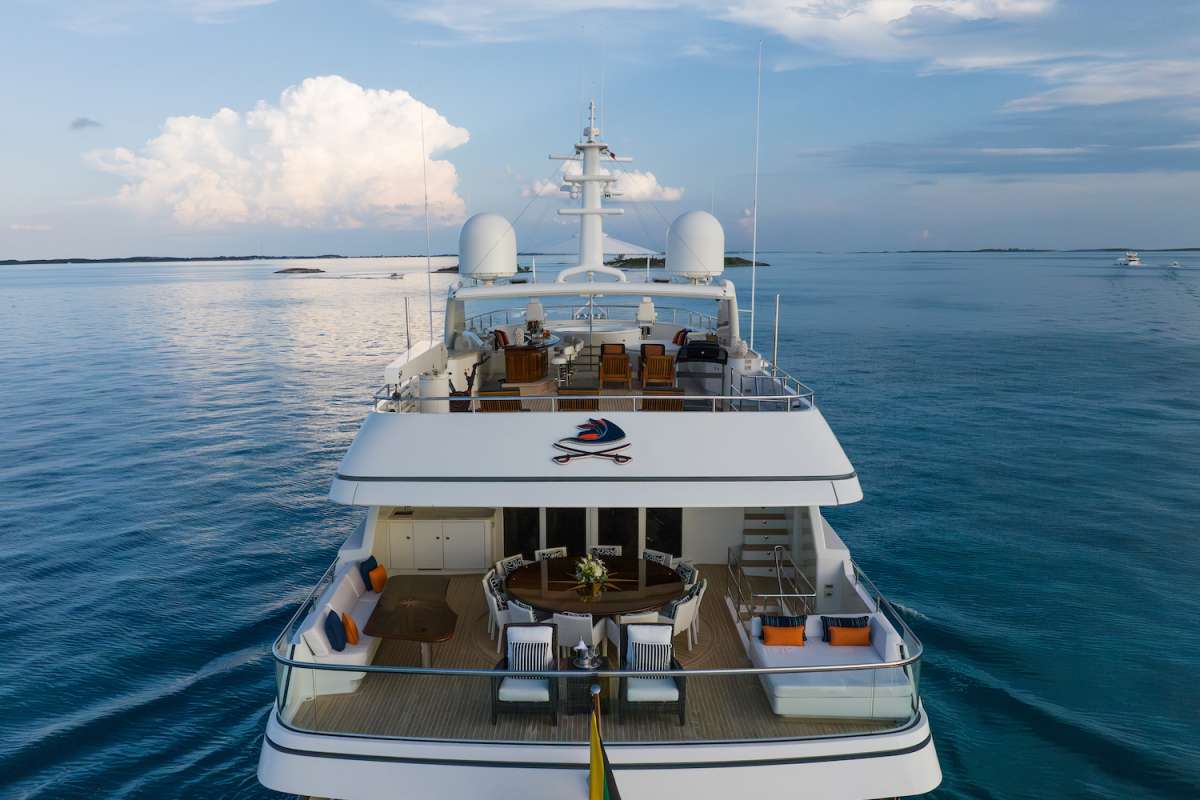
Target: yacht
point(592, 498)
point(1130, 259)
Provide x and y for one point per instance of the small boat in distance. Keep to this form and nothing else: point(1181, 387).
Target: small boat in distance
point(1130, 259)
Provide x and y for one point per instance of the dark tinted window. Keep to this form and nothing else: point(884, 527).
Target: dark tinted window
point(521, 531)
point(619, 526)
point(664, 530)
point(567, 527)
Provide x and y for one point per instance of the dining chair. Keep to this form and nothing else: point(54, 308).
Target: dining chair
point(549, 553)
point(613, 627)
point(703, 587)
point(602, 550)
point(658, 557)
point(506, 566)
point(574, 628)
point(681, 617)
point(531, 647)
point(687, 573)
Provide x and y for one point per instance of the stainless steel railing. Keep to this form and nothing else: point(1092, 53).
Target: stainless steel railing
point(406, 399)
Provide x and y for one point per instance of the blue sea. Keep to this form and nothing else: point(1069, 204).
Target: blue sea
point(1026, 428)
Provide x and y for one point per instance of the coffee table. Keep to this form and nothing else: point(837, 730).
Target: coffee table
point(420, 618)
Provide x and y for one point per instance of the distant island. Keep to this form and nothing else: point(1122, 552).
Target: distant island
point(298, 271)
point(639, 262)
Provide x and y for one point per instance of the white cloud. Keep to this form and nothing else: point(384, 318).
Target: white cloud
point(1098, 83)
point(1035, 152)
point(330, 154)
point(879, 29)
point(29, 227)
point(632, 186)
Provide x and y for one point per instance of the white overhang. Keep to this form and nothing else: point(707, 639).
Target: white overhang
point(676, 459)
point(721, 291)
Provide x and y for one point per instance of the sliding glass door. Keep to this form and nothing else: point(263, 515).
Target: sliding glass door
point(567, 527)
point(522, 531)
point(618, 526)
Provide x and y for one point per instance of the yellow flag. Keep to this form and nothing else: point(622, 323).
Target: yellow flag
point(596, 763)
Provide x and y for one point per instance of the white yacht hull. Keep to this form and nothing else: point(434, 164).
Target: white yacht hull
point(901, 762)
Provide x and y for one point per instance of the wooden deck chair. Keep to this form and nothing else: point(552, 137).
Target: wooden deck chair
point(662, 399)
point(578, 398)
point(486, 404)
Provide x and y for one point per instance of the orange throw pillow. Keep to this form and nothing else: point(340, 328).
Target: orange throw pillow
point(849, 637)
point(351, 628)
point(378, 577)
point(793, 637)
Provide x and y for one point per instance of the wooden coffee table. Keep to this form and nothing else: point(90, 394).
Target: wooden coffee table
point(420, 618)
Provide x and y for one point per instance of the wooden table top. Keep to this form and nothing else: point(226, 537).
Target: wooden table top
point(634, 585)
point(411, 613)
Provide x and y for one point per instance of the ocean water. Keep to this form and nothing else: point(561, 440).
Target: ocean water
point(1026, 427)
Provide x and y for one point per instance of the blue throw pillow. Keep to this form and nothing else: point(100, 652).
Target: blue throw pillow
point(335, 631)
point(364, 569)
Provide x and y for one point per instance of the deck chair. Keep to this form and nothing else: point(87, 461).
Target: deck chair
point(614, 366)
point(588, 398)
point(527, 646)
point(669, 399)
point(658, 370)
point(486, 404)
point(648, 646)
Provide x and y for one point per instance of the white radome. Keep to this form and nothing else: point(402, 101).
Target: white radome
point(696, 247)
point(487, 248)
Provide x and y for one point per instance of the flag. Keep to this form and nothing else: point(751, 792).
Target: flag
point(601, 783)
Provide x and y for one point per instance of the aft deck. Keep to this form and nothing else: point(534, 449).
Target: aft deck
point(719, 708)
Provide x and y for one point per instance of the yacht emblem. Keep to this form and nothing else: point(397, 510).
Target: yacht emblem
point(592, 441)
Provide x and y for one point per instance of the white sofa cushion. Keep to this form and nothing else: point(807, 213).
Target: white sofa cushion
point(355, 577)
point(524, 690)
point(343, 597)
point(314, 636)
point(651, 690)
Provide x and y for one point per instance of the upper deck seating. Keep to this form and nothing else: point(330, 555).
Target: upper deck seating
point(655, 367)
point(346, 594)
point(614, 366)
point(578, 398)
point(488, 403)
point(662, 399)
point(868, 693)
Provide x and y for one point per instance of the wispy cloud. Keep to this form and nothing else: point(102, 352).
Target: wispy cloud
point(632, 186)
point(1097, 83)
point(30, 227)
point(82, 123)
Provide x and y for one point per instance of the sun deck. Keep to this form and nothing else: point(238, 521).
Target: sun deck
point(457, 708)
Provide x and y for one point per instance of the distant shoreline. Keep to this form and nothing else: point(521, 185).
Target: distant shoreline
point(15, 262)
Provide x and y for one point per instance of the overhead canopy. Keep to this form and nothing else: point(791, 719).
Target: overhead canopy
point(676, 459)
point(612, 247)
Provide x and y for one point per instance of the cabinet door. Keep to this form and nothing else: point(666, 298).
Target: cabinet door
point(400, 544)
point(427, 544)
point(465, 544)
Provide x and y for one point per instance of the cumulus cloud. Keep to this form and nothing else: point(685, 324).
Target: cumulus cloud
point(81, 123)
point(329, 154)
point(633, 186)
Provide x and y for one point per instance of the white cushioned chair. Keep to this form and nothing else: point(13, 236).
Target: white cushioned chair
point(658, 557)
point(549, 553)
point(648, 646)
point(613, 626)
point(527, 646)
point(505, 566)
point(575, 628)
point(684, 617)
point(602, 550)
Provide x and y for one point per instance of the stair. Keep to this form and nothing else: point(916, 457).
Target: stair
point(763, 529)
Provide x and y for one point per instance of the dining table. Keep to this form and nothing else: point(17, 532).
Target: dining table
point(633, 585)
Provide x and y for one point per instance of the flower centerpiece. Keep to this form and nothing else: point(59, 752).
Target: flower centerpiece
point(591, 572)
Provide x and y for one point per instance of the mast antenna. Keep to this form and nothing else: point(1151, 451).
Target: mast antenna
point(428, 238)
point(754, 213)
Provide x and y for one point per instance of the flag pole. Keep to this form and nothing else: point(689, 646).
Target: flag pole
point(754, 219)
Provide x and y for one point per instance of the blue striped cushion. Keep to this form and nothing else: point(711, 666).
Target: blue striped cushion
point(650, 656)
point(841, 622)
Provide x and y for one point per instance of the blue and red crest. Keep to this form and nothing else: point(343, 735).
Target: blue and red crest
point(596, 438)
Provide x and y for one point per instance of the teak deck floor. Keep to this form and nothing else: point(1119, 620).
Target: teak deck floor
point(439, 707)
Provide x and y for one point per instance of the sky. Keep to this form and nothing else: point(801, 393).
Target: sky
point(224, 127)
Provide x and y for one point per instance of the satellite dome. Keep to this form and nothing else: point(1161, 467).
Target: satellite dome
point(696, 247)
point(487, 248)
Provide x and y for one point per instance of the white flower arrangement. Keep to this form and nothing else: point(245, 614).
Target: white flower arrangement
point(590, 569)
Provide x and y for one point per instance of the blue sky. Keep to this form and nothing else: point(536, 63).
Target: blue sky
point(194, 127)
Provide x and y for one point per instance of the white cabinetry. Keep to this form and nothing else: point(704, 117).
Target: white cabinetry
point(456, 545)
point(400, 544)
point(464, 544)
point(428, 544)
